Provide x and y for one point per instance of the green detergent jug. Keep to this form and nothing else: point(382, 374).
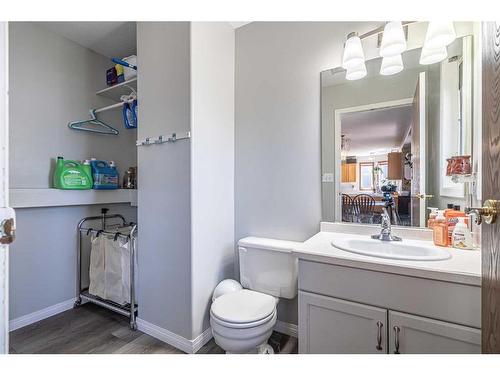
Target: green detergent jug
point(70, 174)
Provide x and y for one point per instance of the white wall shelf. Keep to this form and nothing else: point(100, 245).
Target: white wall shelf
point(27, 198)
point(116, 91)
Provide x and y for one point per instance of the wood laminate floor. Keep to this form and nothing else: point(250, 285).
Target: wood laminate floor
point(91, 329)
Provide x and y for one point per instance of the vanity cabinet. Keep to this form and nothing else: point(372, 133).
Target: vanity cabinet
point(412, 334)
point(330, 325)
point(351, 310)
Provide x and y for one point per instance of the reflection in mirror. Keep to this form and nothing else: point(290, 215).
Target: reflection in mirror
point(387, 140)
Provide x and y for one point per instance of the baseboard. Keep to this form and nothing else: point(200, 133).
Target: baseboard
point(36, 316)
point(286, 328)
point(171, 338)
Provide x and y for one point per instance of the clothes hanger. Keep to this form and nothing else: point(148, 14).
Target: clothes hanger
point(80, 125)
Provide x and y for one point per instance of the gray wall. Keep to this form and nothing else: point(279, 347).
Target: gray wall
point(163, 51)
point(42, 260)
point(277, 128)
point(52, 81)
point(212, 163)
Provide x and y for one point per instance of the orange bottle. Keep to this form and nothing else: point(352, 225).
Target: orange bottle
point(440, 230)
point(432, 217)
point(451, 217)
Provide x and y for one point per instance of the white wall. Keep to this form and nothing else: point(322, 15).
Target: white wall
point(212, 164)
point(53, 81)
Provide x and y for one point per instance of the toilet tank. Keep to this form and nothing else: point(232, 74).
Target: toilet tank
point(268, 266)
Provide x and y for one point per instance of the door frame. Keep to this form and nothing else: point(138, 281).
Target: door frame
point(4, 185)
point(337, 142)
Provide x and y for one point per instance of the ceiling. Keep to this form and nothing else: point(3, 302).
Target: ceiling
point(110, 39)
point(376, 131)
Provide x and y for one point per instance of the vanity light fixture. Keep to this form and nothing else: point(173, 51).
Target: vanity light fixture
point(353, 57)
point(439, 34)
point(355, 73)
point(393, 40)
point(391, 65)
point(433, 55)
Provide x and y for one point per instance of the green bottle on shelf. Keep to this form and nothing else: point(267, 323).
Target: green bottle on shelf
point(72, 175)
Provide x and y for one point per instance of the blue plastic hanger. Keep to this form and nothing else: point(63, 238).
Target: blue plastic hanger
point(80, 125)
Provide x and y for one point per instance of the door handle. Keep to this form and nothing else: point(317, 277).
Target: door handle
point(379, 335)
point(396, 339)
point(488, 212)
point(7, 231)
point(424, 196)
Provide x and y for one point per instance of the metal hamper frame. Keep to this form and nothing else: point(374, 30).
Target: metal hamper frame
point(83, 295)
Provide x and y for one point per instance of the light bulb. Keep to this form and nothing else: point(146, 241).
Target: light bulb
point(432, 55)
point(353, 52)
point(393, 40)
point(439, 34)
point(356, 72)
point(391, 65)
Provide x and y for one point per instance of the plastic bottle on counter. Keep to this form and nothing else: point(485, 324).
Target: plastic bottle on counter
point(462, 237)
point(432, 217)
point(440, 230)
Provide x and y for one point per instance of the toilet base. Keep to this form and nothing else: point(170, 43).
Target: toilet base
point(261, 349)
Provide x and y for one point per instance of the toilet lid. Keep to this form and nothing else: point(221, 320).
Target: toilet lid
point(243, 306)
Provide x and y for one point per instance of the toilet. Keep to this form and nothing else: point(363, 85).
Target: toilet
point(243, 316)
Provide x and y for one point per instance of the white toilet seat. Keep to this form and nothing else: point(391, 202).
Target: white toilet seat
point(244, 307)
point(242, 325)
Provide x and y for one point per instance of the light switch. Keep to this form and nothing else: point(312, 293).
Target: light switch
point(327, 177)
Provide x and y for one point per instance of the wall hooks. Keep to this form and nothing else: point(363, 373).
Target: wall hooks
point(161, 139)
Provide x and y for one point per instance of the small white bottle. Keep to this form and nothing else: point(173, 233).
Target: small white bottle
point(461, 237)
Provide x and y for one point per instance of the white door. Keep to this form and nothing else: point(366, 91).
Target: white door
point(418, 134)
point(6, 214)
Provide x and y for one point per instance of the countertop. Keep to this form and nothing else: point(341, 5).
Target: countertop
point(463, 267)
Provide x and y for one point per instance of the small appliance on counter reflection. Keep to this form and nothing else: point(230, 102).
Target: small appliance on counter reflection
point(459, 165)
point(130, 178)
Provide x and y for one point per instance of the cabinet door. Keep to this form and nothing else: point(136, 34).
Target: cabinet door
point(351, 172)
point(345, 175)
point(417, 335)
point(329, 325)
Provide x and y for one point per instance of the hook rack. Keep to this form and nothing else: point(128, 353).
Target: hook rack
point(172, 138)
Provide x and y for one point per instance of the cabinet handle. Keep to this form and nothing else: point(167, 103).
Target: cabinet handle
point(396, 339)
point(379, 335)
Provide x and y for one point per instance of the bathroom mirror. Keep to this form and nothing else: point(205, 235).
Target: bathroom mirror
point(386, 139)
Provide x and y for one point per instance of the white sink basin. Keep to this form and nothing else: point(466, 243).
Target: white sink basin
point(401, 250)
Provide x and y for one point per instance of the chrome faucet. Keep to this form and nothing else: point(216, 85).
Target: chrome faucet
point(385, 232)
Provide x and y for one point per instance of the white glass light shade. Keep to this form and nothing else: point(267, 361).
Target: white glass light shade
point(353, 52)
point(439, 34)
point(393, 40)
point(391, 65)
point(356, 72)
point(433, 55)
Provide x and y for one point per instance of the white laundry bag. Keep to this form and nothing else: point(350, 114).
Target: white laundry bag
point(110, 268)
point(96, 269)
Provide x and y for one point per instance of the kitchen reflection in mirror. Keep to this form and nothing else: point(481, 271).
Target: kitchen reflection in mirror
point(388, 141)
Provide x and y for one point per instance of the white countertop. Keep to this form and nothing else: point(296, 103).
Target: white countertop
point(463, 267)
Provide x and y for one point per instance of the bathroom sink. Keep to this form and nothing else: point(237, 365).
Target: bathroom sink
point(404, 250)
